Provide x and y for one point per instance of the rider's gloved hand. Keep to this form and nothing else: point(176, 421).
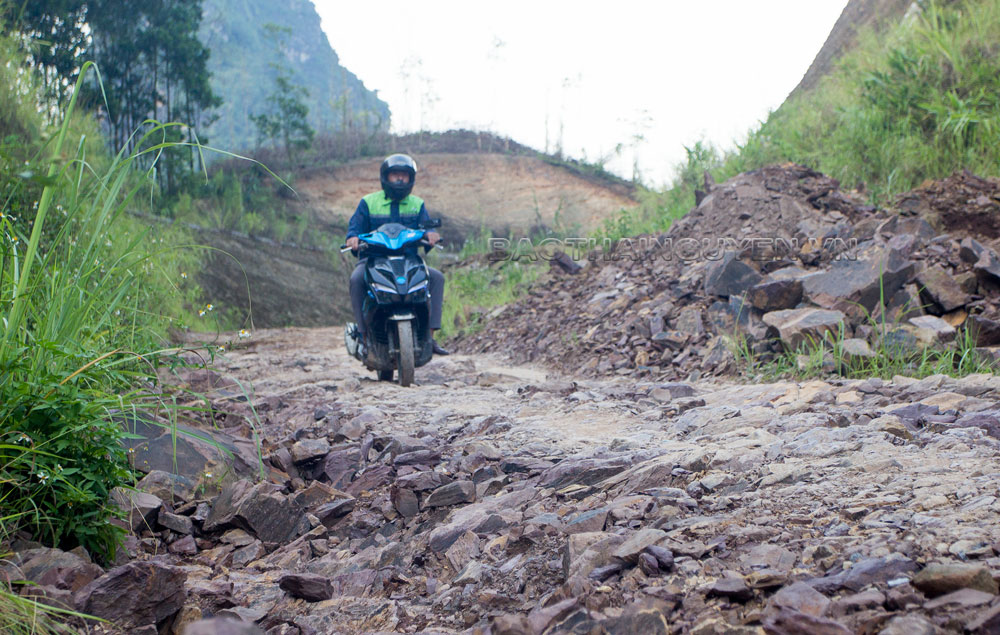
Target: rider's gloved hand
point(352, 242)
point(432, 238)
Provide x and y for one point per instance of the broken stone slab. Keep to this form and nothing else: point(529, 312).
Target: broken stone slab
point(690, 322)
point(988, 265)
point(986, 622)
point(769, 556)
point(486, 516)
point(526, 464)
point(222, 626)
point(472, 573)
point(340, 465)
point(963, 598)
point(904, 304)
point(316, 494)
point(940, 290)
point(909, 625)
point(664, 557)
point(308, 451)
point(849, 284)
point(167, 486)
point(404, 501)
point(455, 493)
point(587, 471)
point(871, 599)
point(796, 327)
point(775, 295)
point(637, 543)
point(463, 550)
point(423, 481)
point(986, 332)
point(585, 552)
point(855, 348)
point(259, 509)
point(932, 329)
point(791, 622)
point(729, 276)
point(140, 507)
point(970, 250)
point(310, 587)
point(135, 595)
point(50, 567)
point(588, 521)
point(193, 453)
point(671, 390)
point(939, 579)
point(184, 546)
point(330, 513)
point(734, 589)
point(864, 573)
point(175, 522)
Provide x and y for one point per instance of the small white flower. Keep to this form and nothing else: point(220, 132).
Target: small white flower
point(244, 334)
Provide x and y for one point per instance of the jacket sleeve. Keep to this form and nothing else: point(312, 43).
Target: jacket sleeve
point(359, 220)
point(422, 216)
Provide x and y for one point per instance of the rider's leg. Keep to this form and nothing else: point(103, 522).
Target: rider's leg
point(358, 295)
point(436, 287)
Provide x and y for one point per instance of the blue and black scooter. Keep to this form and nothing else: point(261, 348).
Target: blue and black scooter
point(397, 303)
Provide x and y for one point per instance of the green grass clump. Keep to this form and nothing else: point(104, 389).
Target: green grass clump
point(86, 295)
point(471, 291)
point(817, 358)
point(920, 101)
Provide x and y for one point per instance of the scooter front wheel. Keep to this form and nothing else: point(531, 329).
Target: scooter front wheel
point(404, 359)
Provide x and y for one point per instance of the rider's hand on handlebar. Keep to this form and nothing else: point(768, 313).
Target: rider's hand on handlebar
point(352, 243)
point(432, 237)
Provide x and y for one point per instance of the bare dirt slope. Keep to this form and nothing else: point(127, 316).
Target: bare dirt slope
point(501, 499)
point(501, 192)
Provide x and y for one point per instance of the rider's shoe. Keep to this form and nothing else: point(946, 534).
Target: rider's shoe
point(355, 341)
point(438, 350)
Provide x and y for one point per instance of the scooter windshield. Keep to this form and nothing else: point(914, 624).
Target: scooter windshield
point(392, 236)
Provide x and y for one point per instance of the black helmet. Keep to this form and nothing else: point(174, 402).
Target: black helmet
point(397, 162)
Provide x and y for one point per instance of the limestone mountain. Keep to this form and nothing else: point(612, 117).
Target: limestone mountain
point(243, 59)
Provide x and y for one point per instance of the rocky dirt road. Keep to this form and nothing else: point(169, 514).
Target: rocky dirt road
point(492, 498)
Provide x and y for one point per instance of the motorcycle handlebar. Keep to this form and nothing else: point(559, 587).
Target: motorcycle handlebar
point(362, 245)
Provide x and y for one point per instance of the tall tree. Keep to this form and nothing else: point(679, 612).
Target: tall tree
point(55, 35)
point(285, 120)
point(152, 67)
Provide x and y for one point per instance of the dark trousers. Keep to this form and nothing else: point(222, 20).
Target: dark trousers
point(435, 285)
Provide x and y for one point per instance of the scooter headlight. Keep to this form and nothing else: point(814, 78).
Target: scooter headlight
point(420, 287)
point(383, 288)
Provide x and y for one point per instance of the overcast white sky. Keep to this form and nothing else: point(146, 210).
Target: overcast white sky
point(598, 74)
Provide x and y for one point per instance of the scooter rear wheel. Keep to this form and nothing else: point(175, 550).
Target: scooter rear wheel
point(385, 375)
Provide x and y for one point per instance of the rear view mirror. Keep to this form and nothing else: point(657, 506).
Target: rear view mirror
point(431, 223)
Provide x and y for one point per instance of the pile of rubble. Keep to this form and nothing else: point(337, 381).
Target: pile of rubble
point(840, 507)
point(779, 256)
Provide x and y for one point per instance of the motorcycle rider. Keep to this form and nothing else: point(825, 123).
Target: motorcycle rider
point(393, 204)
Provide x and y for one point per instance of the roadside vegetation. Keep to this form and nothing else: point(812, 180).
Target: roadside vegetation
point(87, 294)
point(918, 102)
point(893, 356)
